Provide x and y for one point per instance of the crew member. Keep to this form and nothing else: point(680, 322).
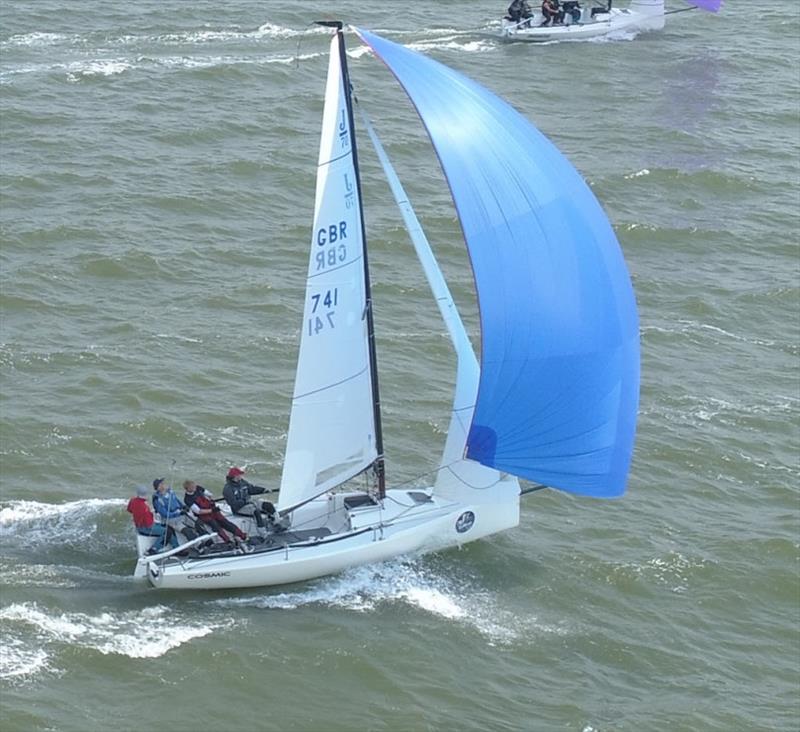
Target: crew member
point(237, 493)
point(145, 523)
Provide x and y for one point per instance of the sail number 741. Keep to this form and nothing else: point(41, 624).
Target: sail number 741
point(325, 303)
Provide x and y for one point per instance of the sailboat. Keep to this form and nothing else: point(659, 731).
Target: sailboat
point(553, 400)
point(596, 20)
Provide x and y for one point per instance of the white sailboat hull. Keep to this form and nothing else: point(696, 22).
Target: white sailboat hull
point(404, 525)
point(641, 16)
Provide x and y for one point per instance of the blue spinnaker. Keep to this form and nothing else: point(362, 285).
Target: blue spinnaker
point(559, 384)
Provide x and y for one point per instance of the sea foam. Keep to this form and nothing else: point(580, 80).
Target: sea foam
point(128, 633)
point(364, 589)
point(72, 523)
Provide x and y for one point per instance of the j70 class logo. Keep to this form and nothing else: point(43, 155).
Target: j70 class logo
point(465, 521)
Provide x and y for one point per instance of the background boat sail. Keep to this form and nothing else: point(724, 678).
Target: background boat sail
point(556, 394)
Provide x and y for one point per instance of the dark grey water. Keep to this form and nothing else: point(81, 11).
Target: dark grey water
point(157, 165)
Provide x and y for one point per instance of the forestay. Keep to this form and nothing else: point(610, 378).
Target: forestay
point(332, 424)
point(559, 382)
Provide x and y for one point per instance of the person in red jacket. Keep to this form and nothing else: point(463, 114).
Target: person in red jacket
point(146, 525)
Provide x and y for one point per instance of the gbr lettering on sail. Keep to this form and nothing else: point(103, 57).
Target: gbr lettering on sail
point(334, 234)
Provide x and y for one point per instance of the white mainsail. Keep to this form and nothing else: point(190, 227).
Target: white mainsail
point(332, 423)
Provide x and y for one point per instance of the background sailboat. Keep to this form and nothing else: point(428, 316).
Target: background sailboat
point(598, 20)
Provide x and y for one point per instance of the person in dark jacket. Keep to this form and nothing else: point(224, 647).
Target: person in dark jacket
point(518, 11)
point(237, 492)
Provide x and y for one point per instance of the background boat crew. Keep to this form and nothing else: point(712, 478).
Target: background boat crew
point(519, 10)
point(145, 523)
point(571, 8)
point(551, 12)
point(207, 511)
point(237, 492)
point(167, 505)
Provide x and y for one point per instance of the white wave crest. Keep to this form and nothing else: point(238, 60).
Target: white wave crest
point(37, 39)
point(188, 37)
point(19, 514)
point(264, 31)
point(97, 67)
point(19, 661)
point(77, 71)
point(359, 51)
point(270, 30)
point(149, 633)
point(72, 523)
point(362, 589)
point(452, 43)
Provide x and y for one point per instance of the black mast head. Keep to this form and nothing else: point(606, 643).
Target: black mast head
point(330, 23)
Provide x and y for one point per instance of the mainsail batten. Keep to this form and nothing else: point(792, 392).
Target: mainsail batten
point(560, 343)
point(332, 427)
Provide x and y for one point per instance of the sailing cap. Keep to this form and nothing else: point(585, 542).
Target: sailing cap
point(235, 472)
point(156, 482)
point(142, 490)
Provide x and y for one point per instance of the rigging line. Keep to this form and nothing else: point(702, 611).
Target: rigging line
point(680, 10)
point(469, 485)
point(297, 50)
point(330, 386)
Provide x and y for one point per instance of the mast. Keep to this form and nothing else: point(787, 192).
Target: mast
point(378, 465)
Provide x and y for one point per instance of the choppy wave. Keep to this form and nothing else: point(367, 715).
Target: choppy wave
point(36, 575)
point(61, 576)
point(452, 43)
point(108, 67)
point(128, 633)
point(364, 589)
point(264, 32)
point(148, 60)
point(188, 37)
point(697, 330)
point(38, 38)
point(71, 523)
point(19, 661)
point(674, 570)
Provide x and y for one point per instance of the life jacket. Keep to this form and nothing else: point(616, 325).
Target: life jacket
point(203, 501)
point(168, 506)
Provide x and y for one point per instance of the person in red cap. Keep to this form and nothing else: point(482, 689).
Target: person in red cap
point(237, 492)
